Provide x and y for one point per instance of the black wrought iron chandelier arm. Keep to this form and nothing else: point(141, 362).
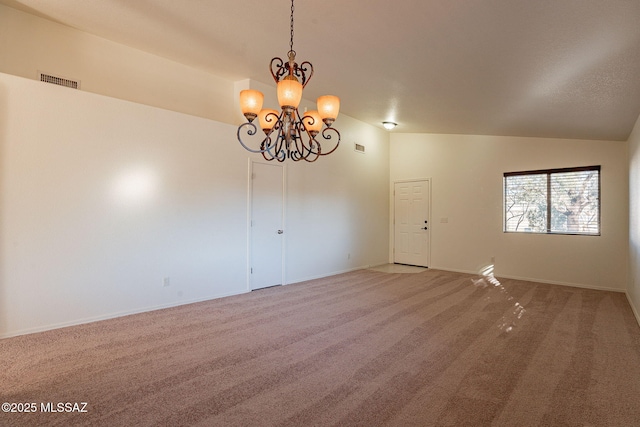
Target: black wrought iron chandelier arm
point(274, 148)
point(306, 122)
point(327, 135)
point(280, 69)
point(267, 146)
point(251, 130)
point(277, 69)
point(302, 70)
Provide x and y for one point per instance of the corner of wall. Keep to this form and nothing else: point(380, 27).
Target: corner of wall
point(633, 308)
point(633, 275)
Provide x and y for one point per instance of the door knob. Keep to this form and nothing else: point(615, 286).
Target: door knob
point(424, 228)
point(280, 231)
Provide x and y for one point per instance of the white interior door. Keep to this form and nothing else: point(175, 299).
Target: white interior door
point(266, 225)
point(411, 223)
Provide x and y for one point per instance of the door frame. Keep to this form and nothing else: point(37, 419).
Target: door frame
point(251, 163)
point(392, 237)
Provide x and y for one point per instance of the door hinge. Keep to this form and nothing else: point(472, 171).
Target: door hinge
point(251, 270)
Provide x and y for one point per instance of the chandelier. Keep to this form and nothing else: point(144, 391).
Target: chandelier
point(287, 134)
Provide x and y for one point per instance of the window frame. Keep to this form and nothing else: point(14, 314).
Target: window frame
point(549, 173)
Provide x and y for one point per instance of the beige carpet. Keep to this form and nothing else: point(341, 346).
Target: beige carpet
point(365, 348)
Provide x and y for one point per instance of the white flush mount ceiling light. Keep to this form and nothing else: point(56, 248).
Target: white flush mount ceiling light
point(389, 125)
point(287, 135)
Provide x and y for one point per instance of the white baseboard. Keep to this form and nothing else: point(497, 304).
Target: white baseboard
point(153, 308)
point(320, 276)
point(633, 308)
point(163, 306)
point(532, 279)
point(112, 315)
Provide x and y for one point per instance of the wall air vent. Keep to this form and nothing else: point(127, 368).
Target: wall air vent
point(359, 148)
point(60, 81)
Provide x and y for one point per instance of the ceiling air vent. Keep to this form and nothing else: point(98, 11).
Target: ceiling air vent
point(60, 81)
point(359, 148)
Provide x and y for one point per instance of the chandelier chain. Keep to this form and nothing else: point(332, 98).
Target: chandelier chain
point(291, 42)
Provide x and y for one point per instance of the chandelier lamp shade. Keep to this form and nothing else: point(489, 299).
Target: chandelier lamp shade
point(287, 134)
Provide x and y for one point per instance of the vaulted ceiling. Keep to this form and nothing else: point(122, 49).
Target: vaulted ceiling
point(547, 68)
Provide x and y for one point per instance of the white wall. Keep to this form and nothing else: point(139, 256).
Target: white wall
point(103, 198)
point(633, 292)
point(340, 202)
point(29, 44)
point(467, 172)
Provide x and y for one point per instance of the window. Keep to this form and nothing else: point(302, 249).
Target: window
point(560, 201)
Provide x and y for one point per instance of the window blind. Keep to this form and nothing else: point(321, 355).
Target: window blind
point(564, 201)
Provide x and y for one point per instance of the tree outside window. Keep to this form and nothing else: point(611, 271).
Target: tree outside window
point(560, 201)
